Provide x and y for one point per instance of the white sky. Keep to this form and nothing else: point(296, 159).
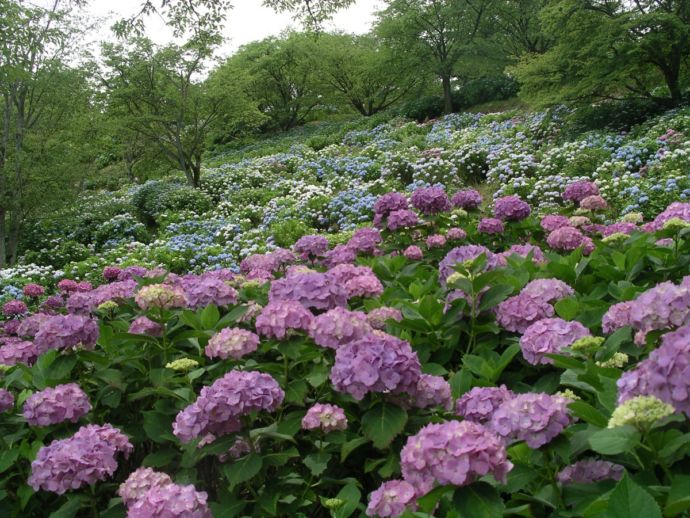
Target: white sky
point(247, 21)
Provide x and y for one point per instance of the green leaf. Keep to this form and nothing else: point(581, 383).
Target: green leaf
point(588, 413)
point(160, 458)
point(61, 368)
point(350, 446)
point(612, 441)
point(428, 502)
point(628, 499)
point(351, 495)
point(158, 427)
point(243, 469)
point(383, 423)
point(317, 462)
point(478, 500)
point(71, 507)
point(209, 316)
point(494, 296)
point(679, 497)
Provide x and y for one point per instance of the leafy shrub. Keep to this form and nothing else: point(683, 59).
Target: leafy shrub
point(484, 90)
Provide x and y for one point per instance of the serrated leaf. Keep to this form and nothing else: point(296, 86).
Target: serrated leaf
point(478, 500)
point(243, 469)
point(383, 423)
point(612, 441)
point(588, 413)
point(209, 316)
point(350, 446)
point(679, 496)
point(628, 499)
point(317, 462)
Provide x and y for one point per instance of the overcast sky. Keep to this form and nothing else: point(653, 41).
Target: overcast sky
point(247, 21)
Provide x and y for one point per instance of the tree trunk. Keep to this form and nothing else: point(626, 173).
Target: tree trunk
point(196, 174)
point(447, 94)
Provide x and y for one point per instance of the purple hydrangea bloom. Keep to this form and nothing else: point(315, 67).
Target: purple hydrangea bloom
point(344, 273)
point(664, 306)
point(312, 290)
point(53, 302)
point(278, 317)
point(255, 262)
point(67, 286)
point(14, 308)
point(431, 391)
point(377, 317)
point(220, 406)
point(66, 331)
point(402, 219)
point(594, 202)
point(31, 324)
point(436, 241)
point(161, 296)
point(82, 459)
point(578, 191)
point(589, 471)
point(553, 222)
point(566, 239)
point(519, 312)
point(341, 254)
point(431, 200)
point(139, 482)
point(339, 326)
point(456, 234)
point(391, 499)
point(538, 256)
point(664, 374)
point(376, 363)
point(365, 240)
point(145, 326)
point(390, 202)
point(616, 317)
point(310, 247)
point(491, 226)
point(325, 417)
point(56, 405)
point(675, 210)
point(364, 286)
point(16, 350)
point(452, 453)
point(11, 327)
point(467, 199)
point(549, 336)
point(112, 273)
point(549, 290)
point(621, 227)
point(480, 403)
point(6, 401)
point(511, 208)
point(33, 290)
point(413, 253)
point(202, 290)
point(130, 272)
point(459, 255)
point(532, 417)
point(171, 501)
point(232, 343)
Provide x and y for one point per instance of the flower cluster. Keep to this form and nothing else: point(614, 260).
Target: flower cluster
point(589, 471)
point(66, 331)
point(549, 336)
point(231, 343)
point(278, 318)
point(480, 403)
point(56, 405)
point(338, 327)
point(325, 417)
point(311, 289)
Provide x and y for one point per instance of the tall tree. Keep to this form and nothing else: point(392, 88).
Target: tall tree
point(609, 49)
point(520, 26)
point(161, 92)
point(364, 72)
point(441, 32)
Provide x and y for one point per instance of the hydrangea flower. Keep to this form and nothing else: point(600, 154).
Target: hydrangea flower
point(160, 296)
point(277, 318)
point(511, 208)
point(590, 471)
point(33, 290)
point(16, 350)
point(171, 501)
point(391, 499)
point(565, 239)
point(325, 417)
point(145, 326)
point(402, 219)
point(431, 200)
point(553, 222)
point(231, 343)
point(365, 240)
point(549, 336)
point(459, 255)
point(364, 286)
point(578, 191)
point(6, 401)
point(112, 273)
point(436, 241)
point(467, 199)
point(338, 327)
point(517, 313)
point(377, 317)
point(375, 363)
point(66, 331)
point(549, 290)
point(413, 253)
point(82, 459)
point(616, 317)
point(311, 247)
point(341, 254)
point(641, 412)
point(390, 202)
point(139, 482)
point(594, 202)
point(662, 307)
point(56, 405)
point(480, 403)
point(182, 365)
point(452, 453)
point(491, 226)
point(431, 391)
point(534, 418)
point(220, 406)
point(456, 234)
point(312, 290)
point(14, 308)
point(538, 256)
point(202, 290)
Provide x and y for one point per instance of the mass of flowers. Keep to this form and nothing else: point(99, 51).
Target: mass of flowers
point(357, 331)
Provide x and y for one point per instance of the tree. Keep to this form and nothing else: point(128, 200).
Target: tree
point(37, 103)
point(610, 49)
point(283, 77)
point(364, 72)
point(439, 32)
point(520, 26)
point(161, 95)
